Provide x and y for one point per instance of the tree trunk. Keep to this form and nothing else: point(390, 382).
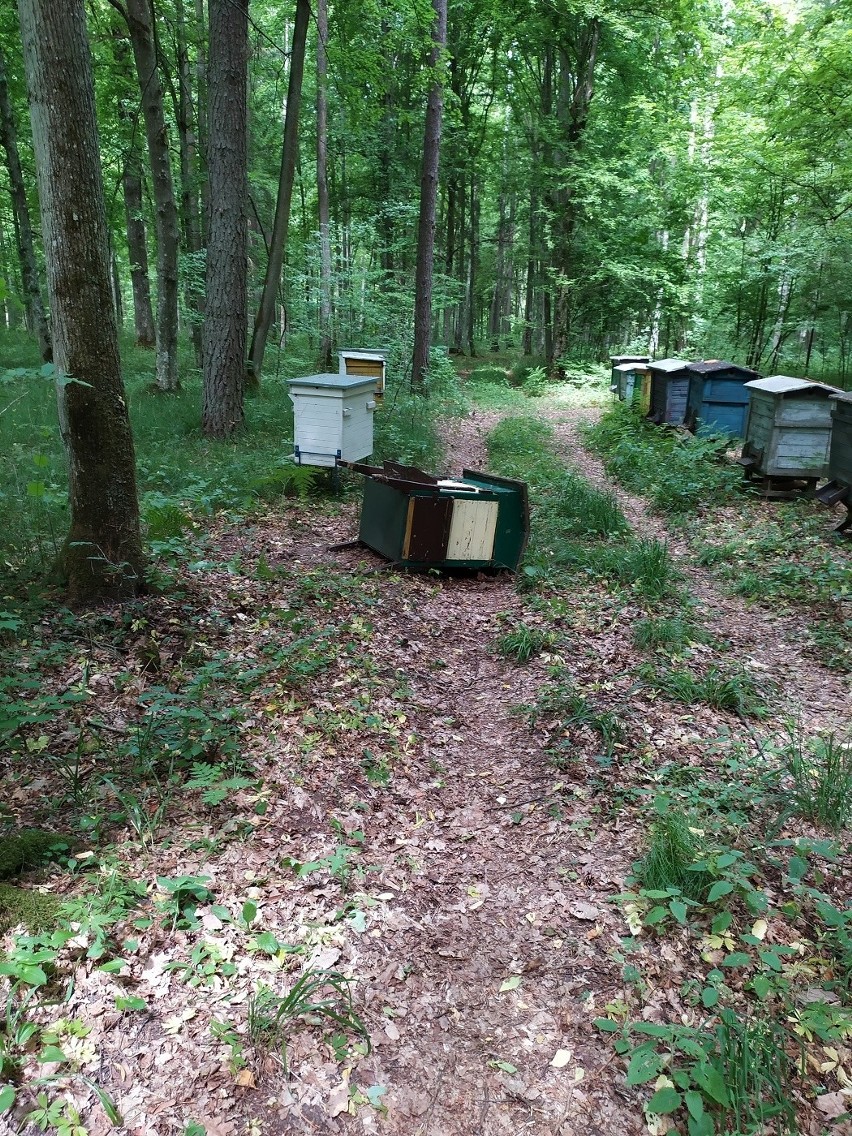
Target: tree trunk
point(166, 215)
point(190, 219)
point(472, 266)
point(36, 316)
point(428, 197)
point(102, 555)
point(137, 249)
point(326, 336)
point(201, 112)
point(225, 319)
point(280, 228)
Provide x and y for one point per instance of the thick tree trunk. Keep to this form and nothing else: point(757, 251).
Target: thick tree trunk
point(166, 215)
point(103, 552)
point(428, 198)
point(281, 225)
point(225, 319)
point(36, 316)
point(326, 335)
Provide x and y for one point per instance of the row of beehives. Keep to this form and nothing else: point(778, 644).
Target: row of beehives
point(793, 430)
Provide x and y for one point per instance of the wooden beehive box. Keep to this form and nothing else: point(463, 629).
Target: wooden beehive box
point(366, 364)
point(669, 390)
point(416, 520)
point(332, 418)
point(718, 397)
point(632, 383)
point(788, 427)
point(616, 362)
point(840, 456)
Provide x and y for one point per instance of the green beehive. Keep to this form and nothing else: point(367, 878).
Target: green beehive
point(419, 521)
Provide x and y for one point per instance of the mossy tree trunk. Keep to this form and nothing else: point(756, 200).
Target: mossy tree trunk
point(102, 555)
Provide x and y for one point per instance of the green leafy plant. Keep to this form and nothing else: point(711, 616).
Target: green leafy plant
point(522, 642)
point(820, 771)
point(730, 688)
point(737, 1075)
point(318, 997)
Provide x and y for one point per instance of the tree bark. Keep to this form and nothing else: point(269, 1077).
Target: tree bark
point(190, 219)
point(326, 334)
point(166, 216)
point(137, 248)
point(281, 225)
point(36, 316)
point(225, 318)
point(428, 197)
point(102, 555)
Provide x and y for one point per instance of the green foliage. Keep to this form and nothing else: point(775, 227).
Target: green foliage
point(522, 642)
point(729, 688)
point(317, 997)
point(820, 771)
point(672, 635)
point(738, 1075)
point(673, 859)
point(27, 849)
point(679, 473)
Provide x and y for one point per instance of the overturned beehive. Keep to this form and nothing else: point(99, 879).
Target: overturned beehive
point(416, 520)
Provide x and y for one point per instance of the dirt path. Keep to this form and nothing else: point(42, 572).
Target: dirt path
point(769, 641)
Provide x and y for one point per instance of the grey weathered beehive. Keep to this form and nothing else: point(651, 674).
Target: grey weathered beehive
point(669, 390)
point(332, 418)
point(788, 427)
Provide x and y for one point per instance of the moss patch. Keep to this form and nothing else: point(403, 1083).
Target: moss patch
point(26, 849)
point(35, 911)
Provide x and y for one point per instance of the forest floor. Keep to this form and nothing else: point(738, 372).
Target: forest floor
point(375, 794)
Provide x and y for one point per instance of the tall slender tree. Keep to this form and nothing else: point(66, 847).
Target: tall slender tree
point(138, 14)
point(225, 317)
point(428, 198)
point(102, 555)
point(322, 187)
point(281, 224)
point(36, 315)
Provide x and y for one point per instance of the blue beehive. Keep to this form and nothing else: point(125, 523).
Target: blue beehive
point(718, 397)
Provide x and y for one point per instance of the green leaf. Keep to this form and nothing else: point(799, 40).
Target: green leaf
point(736, 958)
point(695, 1103)
point(645, 1065)
point(797, 868)
point(24, 972)
point(249, 911)
point(130, 1003)
point(7, 1097)
point(720, 888)
point(772, 960)
point(712, 1081)
point(728, 858)
point(761, 985)
point(114, 966)
point(655, 915)
point(709, 996)
point(678, 909)
point(606, 1024)
point(510, 984)
point(51, 1053)
point(721, 923)
point(651, 1029)
point(664, 1101)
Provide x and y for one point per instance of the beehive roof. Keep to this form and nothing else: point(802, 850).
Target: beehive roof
point(668, 365)
point(784, 384)
point(709, 366)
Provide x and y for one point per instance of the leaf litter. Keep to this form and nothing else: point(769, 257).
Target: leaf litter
point(400, 823)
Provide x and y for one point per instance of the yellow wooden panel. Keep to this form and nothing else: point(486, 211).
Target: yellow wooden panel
point(472, 530)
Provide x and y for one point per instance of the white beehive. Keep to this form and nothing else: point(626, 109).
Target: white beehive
point(332, 418)
point(354, 361)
